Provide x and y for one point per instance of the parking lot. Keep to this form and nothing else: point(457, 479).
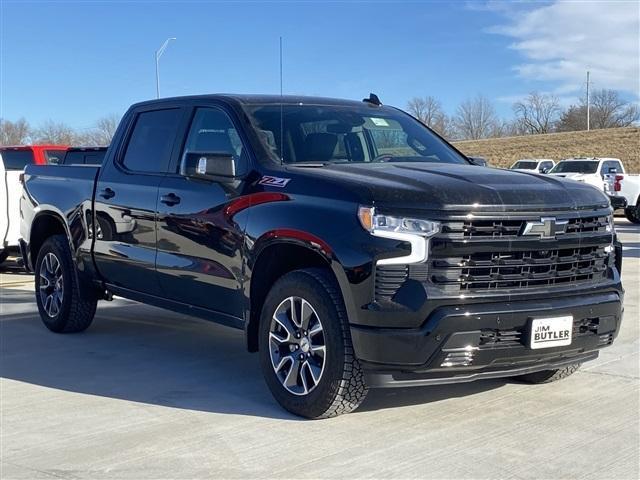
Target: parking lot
point(145, 393)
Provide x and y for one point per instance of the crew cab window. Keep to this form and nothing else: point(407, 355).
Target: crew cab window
point(609, 164)
point(84, 158)
point(212, 131)
point(150, 143)
point(17, 159)
point(54, 156)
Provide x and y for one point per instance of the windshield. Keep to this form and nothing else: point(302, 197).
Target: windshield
point(576, 166)
point(525, 165)
point(341, 134)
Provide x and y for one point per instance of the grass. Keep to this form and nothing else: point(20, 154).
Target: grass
point(622, 143)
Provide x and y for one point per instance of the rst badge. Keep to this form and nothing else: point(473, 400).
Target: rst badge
point(274, 181)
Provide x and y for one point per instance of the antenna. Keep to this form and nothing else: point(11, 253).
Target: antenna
point(281, 110)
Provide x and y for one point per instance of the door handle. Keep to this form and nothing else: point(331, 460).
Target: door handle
point(107, 193)
point(171, 199)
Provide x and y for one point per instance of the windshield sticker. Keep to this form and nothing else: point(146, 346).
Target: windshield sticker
point(274, 181)
point(379, 122)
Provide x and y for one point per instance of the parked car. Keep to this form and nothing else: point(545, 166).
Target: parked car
point(599, 172)
point(626, 189)
point(83, 156)
point(354, 247)
point(10, 188)
point(22, 155)
point(538, 165)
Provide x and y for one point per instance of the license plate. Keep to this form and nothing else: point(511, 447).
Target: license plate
point(551, 332)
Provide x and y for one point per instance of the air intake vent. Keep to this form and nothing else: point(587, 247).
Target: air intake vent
point(389, 279)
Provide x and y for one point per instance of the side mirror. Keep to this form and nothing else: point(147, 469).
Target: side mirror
point(480, 162)
point(209, 166)
point(543, 170)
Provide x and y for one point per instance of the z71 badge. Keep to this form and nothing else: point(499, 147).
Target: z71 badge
point(274, 181)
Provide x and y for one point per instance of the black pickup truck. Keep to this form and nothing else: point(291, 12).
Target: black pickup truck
point(355, 247)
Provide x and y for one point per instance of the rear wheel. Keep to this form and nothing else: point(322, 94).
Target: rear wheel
point(632, 214)
point(62, 307)
point(305, 347)
point(548, 376)
point(3, 256)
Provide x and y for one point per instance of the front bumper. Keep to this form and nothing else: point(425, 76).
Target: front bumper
point(465, 343)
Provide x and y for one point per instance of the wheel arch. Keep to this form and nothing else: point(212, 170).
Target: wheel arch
point(45, 224)
point(277, 255)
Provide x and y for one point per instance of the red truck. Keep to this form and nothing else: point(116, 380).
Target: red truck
point(20, 156)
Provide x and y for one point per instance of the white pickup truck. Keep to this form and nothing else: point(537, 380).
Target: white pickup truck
point(602, 173)
point(12, 165)
point(627, 186)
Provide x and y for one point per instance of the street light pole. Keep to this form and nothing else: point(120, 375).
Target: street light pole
point(588, 119)
point(159, 53)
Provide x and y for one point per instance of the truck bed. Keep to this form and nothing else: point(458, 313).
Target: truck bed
point(65, 190)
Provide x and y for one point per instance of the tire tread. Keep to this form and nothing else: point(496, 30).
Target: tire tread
point(81, 309)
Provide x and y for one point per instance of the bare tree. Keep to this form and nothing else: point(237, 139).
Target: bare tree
point(475, 118)
point(607, 110)
point(429, 111)
point(537, 113)
point(56, 133)
point(14, 133)
point(106, 129)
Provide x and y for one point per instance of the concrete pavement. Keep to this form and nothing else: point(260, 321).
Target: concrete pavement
point(146, 393)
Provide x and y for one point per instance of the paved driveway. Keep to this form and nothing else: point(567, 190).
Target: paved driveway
point(150, 394)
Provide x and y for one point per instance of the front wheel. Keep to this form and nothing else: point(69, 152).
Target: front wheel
point(306, 352)
point(63, 309)
point(632, 214)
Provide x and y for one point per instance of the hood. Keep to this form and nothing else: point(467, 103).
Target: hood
point(438, 186)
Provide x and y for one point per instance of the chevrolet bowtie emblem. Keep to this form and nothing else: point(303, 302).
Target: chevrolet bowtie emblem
point(547, 227)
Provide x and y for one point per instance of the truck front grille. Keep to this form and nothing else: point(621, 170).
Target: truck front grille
point(520, 269)
point(508, 228)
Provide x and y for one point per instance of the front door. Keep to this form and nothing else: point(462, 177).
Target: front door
point(200, 232)
point(125, 204)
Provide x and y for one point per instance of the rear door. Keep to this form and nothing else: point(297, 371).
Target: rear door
point(126, 196)
point(200, 232)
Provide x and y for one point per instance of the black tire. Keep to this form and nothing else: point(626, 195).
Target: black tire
point(341, 387)
point(548, 376)
point(3, 256)
point(632, 214)
point(75, 312)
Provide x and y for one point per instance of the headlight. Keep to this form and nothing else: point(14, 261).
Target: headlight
point(413, 230)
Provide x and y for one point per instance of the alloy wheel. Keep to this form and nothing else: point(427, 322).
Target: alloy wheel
point(51, 284)
point(297, 345)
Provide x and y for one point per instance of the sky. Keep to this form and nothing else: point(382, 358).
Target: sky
point(78, 61)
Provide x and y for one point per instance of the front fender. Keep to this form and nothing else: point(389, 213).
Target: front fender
point(326, 227)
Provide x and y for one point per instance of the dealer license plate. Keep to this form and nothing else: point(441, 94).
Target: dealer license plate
point(551, 332)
